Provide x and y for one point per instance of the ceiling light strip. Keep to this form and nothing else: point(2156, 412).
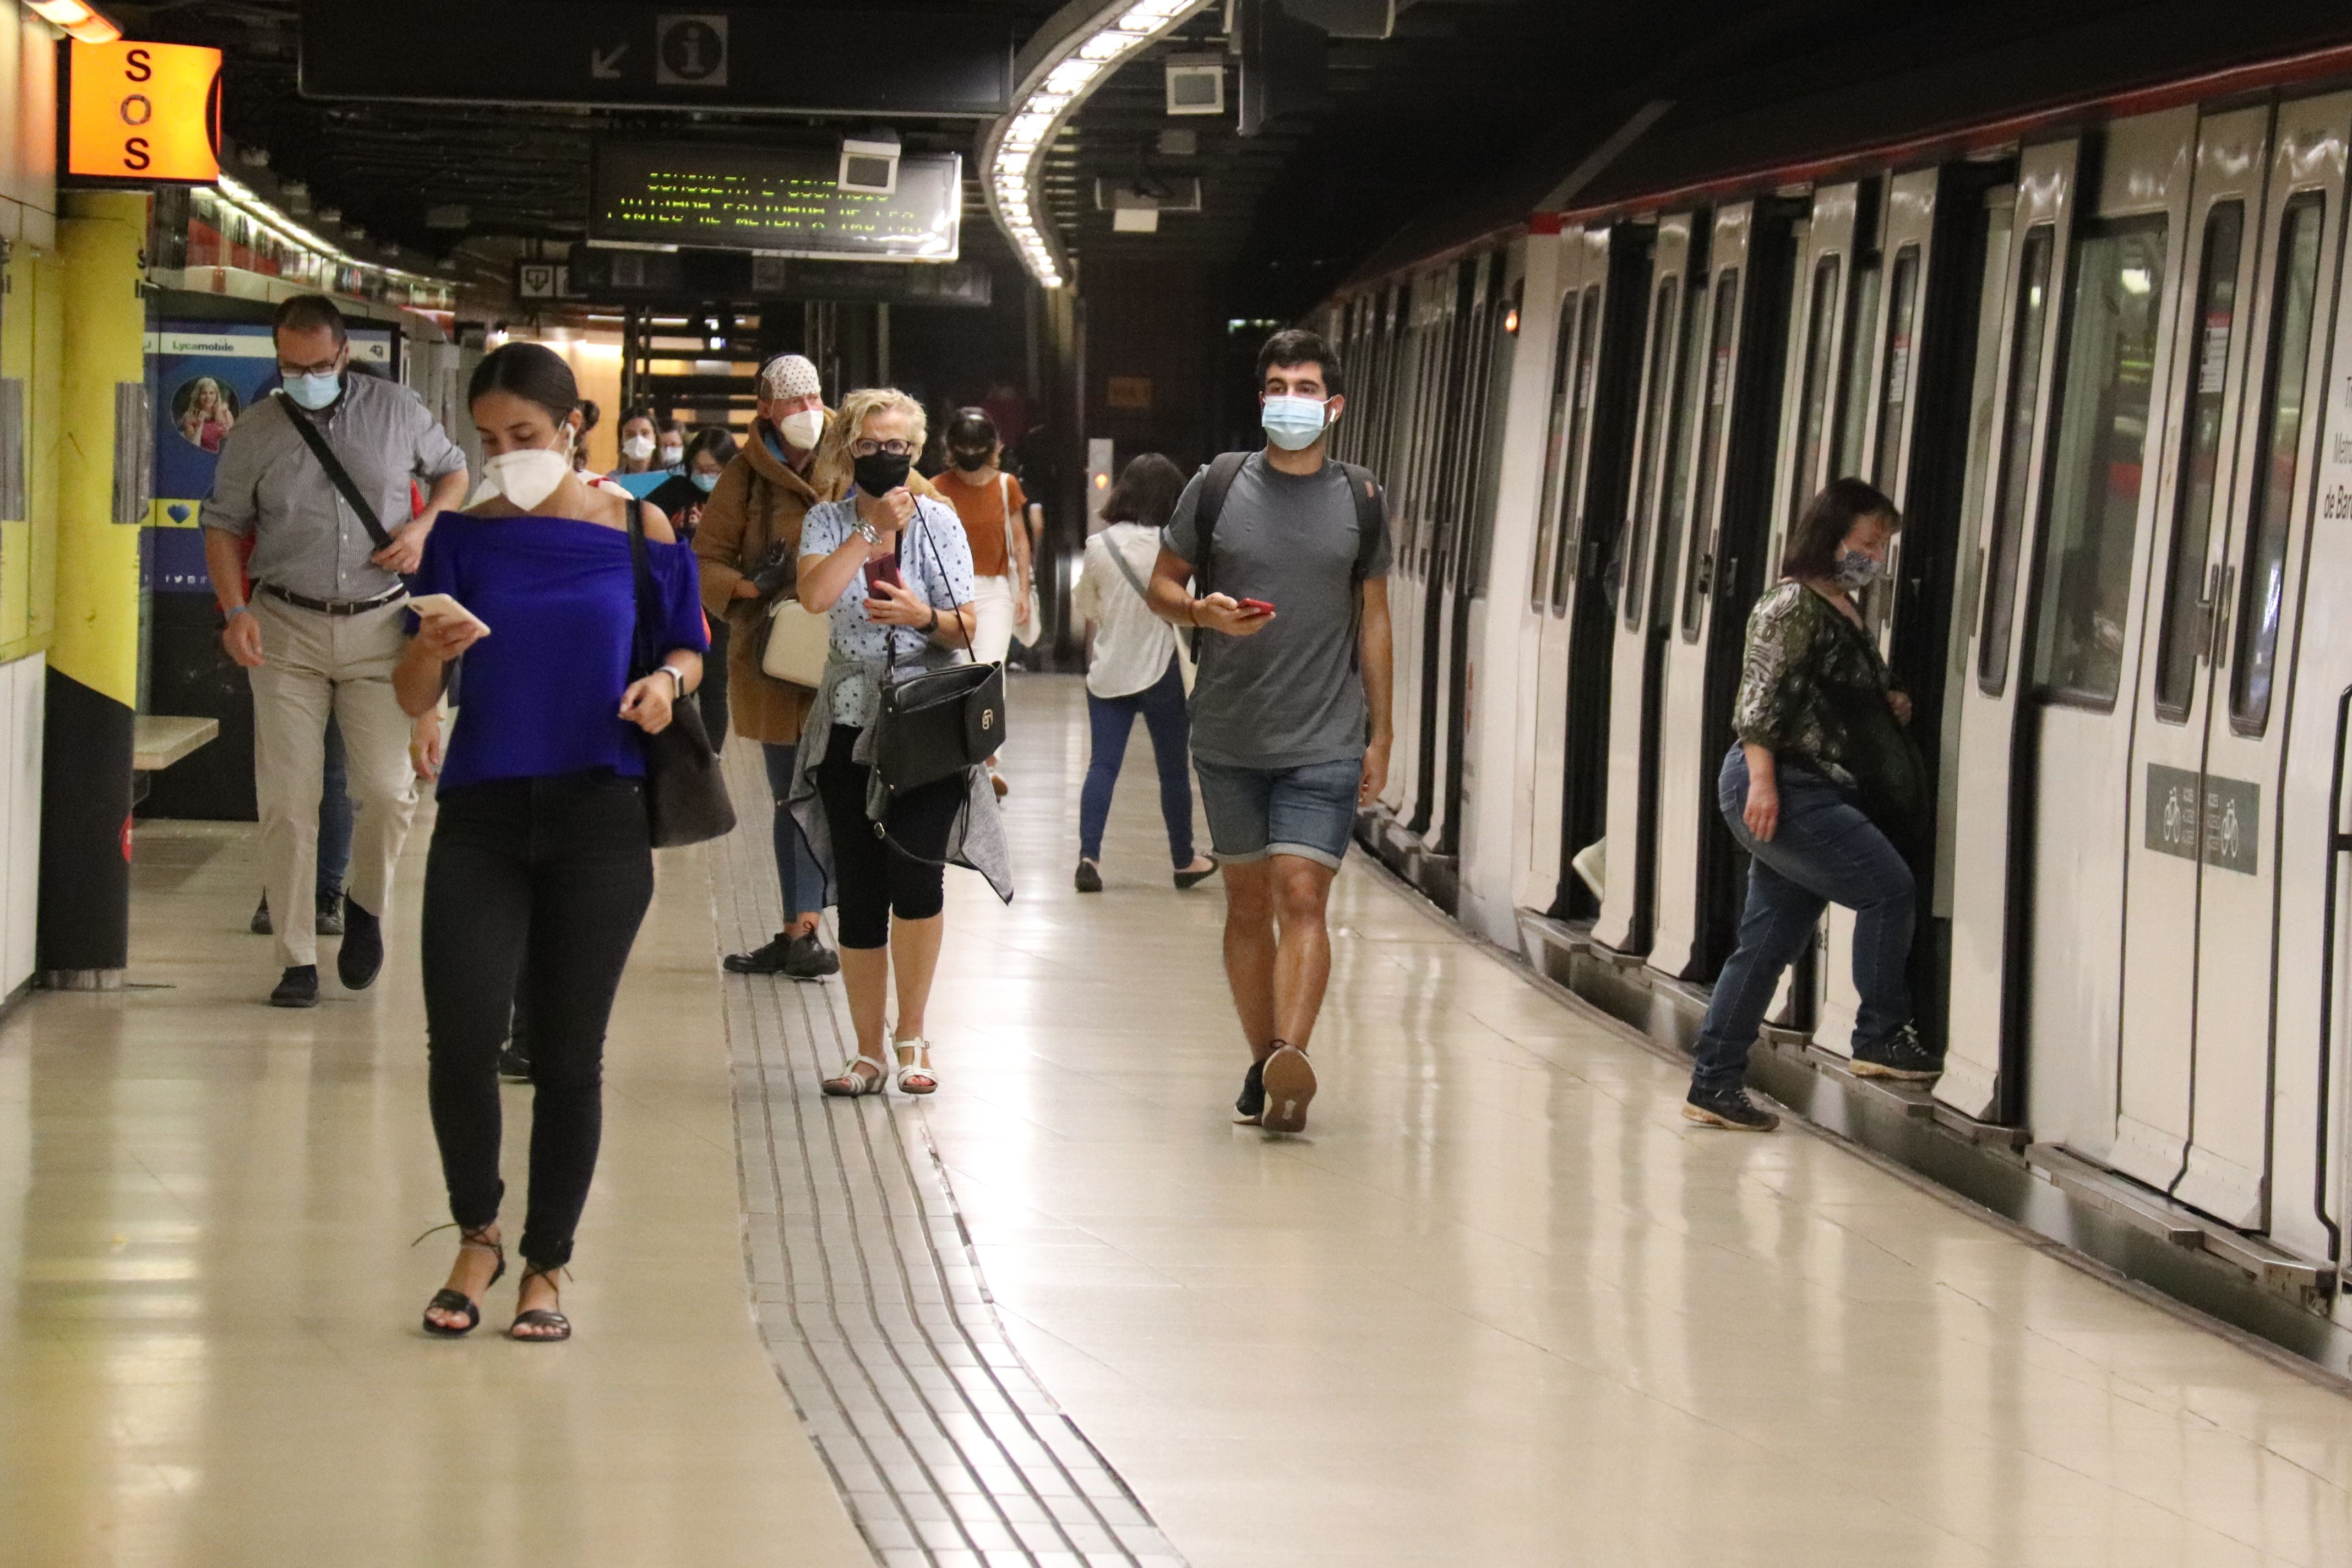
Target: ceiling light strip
point(242, 196)
point(1071, 56)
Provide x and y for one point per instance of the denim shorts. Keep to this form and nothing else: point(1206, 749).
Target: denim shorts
point(1309, 812)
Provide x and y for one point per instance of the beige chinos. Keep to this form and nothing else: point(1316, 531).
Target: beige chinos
point(315, 663)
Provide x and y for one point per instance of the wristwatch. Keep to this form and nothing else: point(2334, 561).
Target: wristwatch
point(678, 678)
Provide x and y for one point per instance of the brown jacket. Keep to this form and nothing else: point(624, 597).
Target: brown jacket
point(760, 501)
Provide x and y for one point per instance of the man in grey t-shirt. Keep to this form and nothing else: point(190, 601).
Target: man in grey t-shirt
point(1290, 714)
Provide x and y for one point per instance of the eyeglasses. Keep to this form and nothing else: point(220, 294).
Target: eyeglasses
point(876, 449)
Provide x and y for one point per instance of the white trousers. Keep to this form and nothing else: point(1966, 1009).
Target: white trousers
point(991, 609)
point(313, 665)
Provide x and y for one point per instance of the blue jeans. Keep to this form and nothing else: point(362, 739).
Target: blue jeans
point(1162, 708)
point(797, 876)
point(1308, 811)
point(1825, 851)
point(334, 820)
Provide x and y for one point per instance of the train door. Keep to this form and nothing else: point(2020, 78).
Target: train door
point(1982, 1055)
point(1411, 396)
point(1638, 658)
point(1543, 679)
point(2087, 602)
point(2208, 769)
point(1611, 314)
point(1913, 444)
point(1737, 421)
point(1484, 351)
point(1437, 396)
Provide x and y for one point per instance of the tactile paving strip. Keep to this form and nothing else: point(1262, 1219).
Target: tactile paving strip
point(946, 1448)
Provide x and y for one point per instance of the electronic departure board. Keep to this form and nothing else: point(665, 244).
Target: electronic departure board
point(776, 201)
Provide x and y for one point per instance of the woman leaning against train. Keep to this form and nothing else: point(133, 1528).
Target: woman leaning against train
point(892, 573)
point(1825, 792)
point(541, 864)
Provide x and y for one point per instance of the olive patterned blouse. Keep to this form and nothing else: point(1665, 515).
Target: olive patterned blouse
point(1796, 650)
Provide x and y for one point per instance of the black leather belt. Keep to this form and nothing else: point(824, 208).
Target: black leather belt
point(335, 607)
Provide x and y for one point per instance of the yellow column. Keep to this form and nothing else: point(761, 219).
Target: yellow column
point(93, 678)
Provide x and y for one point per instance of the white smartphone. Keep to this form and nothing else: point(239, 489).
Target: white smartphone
point(442, 607)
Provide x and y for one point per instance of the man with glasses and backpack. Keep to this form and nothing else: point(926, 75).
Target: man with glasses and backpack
point(1287, 555)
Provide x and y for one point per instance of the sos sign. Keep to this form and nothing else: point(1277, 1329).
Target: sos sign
point(145, 114)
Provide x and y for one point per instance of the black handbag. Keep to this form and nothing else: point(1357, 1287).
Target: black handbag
point(686, 794)
point(935, 724)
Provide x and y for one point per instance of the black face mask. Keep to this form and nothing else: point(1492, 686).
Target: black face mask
point(882, 473)
point(969, 462)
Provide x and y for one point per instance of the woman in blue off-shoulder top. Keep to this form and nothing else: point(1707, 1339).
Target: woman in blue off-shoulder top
point(541, 863)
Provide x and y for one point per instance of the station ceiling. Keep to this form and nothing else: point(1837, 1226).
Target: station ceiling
point(1458, 95)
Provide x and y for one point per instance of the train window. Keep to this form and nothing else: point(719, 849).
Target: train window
point(1555, 481)
point(1718, 394)
point(1690, 389)
point(2101, 440)
point(1895, 383)
point(2009, 506)
point(1571, 505)
point(2185, 623)
point(2277, 458)
point(1654, 420)
point(1853, 381)
point(1812, 406)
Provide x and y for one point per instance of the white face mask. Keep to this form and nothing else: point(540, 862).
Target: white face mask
point(637, 448)
point(528, 477)
point(672, 456)
point(801, 430)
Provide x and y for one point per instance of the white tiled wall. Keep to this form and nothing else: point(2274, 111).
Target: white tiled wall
point(23, 691)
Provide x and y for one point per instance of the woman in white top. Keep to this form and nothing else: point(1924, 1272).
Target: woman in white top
point(1133, 669)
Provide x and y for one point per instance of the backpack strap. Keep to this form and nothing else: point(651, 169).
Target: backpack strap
point(1217, 483)
point(1372, 530)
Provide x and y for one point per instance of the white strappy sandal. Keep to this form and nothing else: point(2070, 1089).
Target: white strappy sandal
point(916, 1076)
point(850, 1083)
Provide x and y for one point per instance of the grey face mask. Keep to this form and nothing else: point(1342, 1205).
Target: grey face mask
point(1853, 571)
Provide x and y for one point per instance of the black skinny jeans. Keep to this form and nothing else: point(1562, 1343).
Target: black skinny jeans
point(871, 879)
point(533, 892)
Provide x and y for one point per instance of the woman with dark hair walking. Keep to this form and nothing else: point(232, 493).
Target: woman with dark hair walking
point(1134, 668)
point(541, 863)
point(1825, 792)
point(989, 504)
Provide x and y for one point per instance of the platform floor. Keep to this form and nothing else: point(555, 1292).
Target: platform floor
point(1501, 1306)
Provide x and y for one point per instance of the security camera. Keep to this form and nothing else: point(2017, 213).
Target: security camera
point(869, 164)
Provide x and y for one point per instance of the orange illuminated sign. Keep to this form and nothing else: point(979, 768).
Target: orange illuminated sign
point(145, 113)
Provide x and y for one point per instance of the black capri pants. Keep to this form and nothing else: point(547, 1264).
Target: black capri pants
point(872, 880)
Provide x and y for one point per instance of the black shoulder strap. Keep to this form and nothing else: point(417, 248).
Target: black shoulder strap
point(1371, 516)
point(336, 474)
point(1216, 485)
point(641, 564)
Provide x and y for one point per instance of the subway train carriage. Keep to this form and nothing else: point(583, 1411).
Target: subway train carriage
point(2095, 337)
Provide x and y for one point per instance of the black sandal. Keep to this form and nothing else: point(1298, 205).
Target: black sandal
point(539, 1317)
point(447, 1300)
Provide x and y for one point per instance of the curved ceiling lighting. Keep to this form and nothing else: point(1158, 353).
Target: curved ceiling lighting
point(1071, 56)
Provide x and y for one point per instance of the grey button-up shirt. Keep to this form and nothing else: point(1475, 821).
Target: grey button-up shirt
point(306, 537)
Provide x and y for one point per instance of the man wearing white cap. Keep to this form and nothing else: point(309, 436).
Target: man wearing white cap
point(749, 545)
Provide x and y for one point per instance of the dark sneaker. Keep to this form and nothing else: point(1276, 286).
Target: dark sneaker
point(1727, 1107)
point(1089, 878)
point(330, 916)
point(767, 958)
point(261, 926)
point(513, 1065)
point(807, 958)
point(298, 987)
point(362, 954)
point(1252, 1103)
point(1899, 1056)
point(1289, 1085)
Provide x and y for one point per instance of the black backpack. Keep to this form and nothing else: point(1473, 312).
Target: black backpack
point(1371, 526)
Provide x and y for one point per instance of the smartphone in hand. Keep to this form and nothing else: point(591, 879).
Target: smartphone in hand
point(442, 607)
point(1255, 606)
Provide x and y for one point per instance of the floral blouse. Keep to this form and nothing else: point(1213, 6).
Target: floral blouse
point(1796, 650)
